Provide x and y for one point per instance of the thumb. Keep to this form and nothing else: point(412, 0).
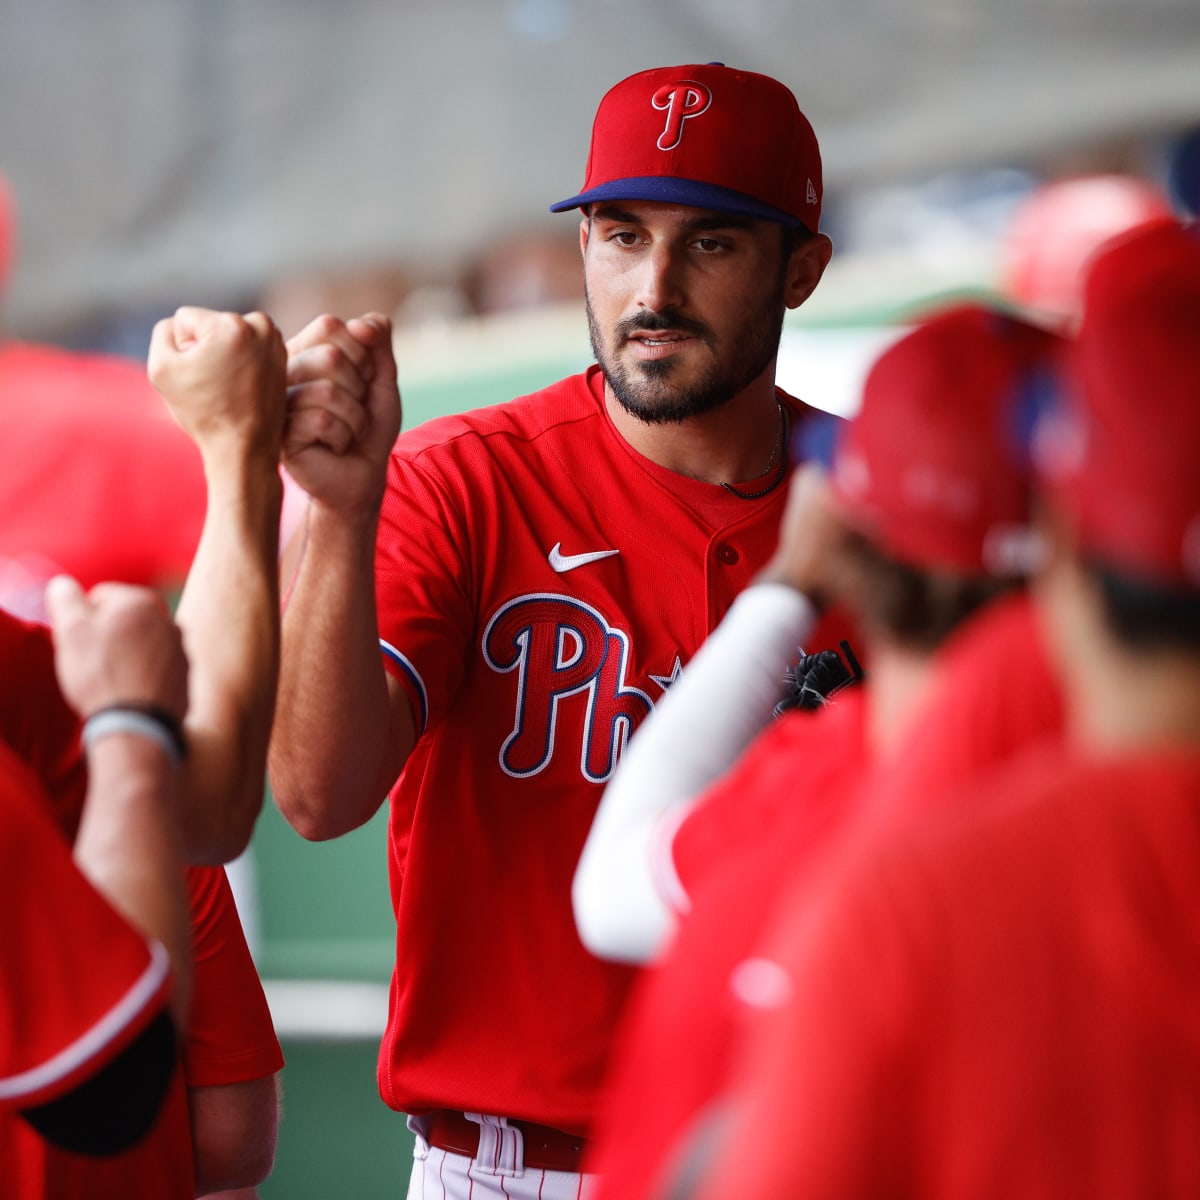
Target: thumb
point(64, 599)
point(374, 332)
point(190, 322)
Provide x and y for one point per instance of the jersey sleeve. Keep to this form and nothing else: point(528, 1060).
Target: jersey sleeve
point(36, 721)
point(797, 778)
point(423, 588)
point(230, 1035)
point(79, 983)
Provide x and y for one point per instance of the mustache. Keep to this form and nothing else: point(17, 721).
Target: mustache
point(661, 322)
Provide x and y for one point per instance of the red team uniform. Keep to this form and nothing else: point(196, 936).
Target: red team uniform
point(531, 639)
point(94, 994)
point(771, 818)
point(1001, 1000)
point(793, 783)
point(777, 816)
point(913, 1052)
point(229, 1038)
point(808, 787)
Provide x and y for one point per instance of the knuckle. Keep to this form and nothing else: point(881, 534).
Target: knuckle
point(328, 358)
point(237, 331)
point(327, 326)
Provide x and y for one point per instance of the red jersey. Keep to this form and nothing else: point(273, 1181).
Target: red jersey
point(539, 585)
point(230, 1037)
point(771, 820)
point(795, 776)
point(68, 1004)
point(801, 789)
point(999, 1003)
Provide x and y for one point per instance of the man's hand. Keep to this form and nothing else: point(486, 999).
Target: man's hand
point(223, 376)
point(810, 535)
point(116, 644)
point(343, 411)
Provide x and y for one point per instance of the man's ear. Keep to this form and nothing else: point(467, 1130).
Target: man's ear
point(805, 267)
point(584, 227)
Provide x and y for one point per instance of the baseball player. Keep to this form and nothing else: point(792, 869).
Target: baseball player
point(94, 947)
point(536, 574)
point(1003, 1000)
point(707, 819)
point(222, 378)
point(217, 1128)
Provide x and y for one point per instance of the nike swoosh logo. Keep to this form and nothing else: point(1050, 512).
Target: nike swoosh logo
point(561, 562)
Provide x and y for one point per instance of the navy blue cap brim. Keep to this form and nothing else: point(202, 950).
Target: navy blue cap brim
point(669, 189)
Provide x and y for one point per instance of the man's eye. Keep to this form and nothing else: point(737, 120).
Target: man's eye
point(708, 245)
point(623, 237)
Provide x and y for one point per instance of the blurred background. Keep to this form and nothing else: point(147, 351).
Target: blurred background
point(303, 157)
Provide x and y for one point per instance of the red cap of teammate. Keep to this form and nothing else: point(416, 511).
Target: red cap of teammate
point(707, 136)
point(1126, 458)
point(934, 467)
point(1060, 227)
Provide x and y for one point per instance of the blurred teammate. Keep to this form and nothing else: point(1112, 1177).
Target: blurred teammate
point(217, 1129)
point(1003, 1001)
point(541, 571)
point(222, 377)
point(924, 526)
point(1054, 234)
point(92, 951)
point(968, 721)
point(96, 480)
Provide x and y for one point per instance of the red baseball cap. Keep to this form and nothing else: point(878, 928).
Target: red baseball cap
point(1124, 457)
point(707, 136)
point(1054, 234)
point(934, 466)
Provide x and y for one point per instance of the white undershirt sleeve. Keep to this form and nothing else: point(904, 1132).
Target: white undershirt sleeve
point(696, 732)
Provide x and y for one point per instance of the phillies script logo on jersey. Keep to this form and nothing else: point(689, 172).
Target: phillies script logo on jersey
point(564, 652)
point(682, 100)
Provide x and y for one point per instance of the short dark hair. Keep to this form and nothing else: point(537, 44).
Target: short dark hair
point(916, 607)
point(1146, 615)
point(793, 237)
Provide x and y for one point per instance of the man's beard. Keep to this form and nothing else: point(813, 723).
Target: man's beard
point(645, 389)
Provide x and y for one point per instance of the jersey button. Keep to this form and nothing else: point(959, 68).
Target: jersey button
point(728, 555)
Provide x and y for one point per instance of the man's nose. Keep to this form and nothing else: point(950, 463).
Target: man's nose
point(661, 283)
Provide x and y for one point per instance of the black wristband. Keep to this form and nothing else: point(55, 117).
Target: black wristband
point(163, 718)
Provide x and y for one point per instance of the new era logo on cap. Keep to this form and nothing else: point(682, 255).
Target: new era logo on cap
point(707, 136)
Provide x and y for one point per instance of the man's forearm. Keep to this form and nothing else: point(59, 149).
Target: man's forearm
point(229, 615)
point(337, 745)
point(128, 846)
point(695, 734)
